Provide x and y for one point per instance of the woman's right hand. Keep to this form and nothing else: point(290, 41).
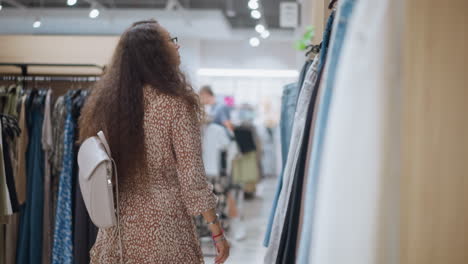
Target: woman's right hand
point(222, 246)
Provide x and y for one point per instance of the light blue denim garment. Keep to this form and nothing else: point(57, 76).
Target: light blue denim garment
point(288, 109)
point(338, 36)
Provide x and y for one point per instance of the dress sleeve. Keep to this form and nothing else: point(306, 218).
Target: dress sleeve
point(197, 193)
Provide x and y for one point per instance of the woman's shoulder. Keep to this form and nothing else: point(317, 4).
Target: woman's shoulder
point(153, 94)
point(157, 98)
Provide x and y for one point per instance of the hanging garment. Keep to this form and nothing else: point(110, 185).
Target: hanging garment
point(289, 234)
point(157, 206)
point(4, 99)
point(356, 205)
point(21, 149)
point(320, 128)
point(215, 140)
point(10, 130)
point(5, 202)
point(12, 228)
point(296, 138)
point(288, 109)
point(59, 115)
point(2, 242)
point(326, 40)
point(47, 145)
point(62, 251)
point(9, 173)
point(11, 238)
point(30, 234)
point(302, 75)
point(9, 98)
point(307, 166)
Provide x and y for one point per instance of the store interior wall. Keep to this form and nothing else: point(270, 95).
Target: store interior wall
point(195, 53)
point(279, 55)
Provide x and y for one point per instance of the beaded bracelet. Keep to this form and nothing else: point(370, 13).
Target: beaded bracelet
point(222, 233)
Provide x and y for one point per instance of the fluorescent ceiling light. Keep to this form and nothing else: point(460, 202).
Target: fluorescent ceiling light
point(71, 2)
point(256, 14)
point(37, 23)
point(265, 34)
point(254, 42)
point(260, 28)
point(94, 13)
point(253, 4)
point(248, 73)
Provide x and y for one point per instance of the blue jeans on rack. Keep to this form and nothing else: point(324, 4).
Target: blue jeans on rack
point(288, 109)
point(333, 58)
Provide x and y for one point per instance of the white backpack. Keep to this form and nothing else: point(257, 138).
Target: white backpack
point(96, 173)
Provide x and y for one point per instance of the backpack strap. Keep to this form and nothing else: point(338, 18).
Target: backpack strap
point(103, 139)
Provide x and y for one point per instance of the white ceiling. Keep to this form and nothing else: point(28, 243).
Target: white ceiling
point(200, 24)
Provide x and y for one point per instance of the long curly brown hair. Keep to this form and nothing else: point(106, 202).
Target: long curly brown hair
point(143, 57)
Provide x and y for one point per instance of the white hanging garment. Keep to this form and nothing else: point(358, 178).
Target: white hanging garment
point(357, 214)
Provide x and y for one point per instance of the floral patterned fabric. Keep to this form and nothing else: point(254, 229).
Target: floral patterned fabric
point(156, 207)
point(62, 252)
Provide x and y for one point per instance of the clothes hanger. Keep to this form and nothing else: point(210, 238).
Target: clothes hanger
point(313, 49)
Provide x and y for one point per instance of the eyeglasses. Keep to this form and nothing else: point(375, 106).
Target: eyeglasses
point(174, 40)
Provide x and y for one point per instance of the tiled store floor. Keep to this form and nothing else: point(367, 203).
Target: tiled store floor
point(256, 212)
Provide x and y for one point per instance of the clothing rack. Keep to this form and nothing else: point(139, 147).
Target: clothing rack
point(24, 77)
point(50, 78)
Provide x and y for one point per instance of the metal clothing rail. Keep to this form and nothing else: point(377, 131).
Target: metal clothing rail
point(50, 78)
point(24, 66)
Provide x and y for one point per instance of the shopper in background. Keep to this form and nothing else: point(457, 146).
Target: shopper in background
point(219, 113)
point(151, 117)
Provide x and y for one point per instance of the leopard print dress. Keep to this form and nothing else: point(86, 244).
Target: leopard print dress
point(156, 208)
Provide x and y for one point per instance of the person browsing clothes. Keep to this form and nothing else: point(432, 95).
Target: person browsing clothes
point(152, 117)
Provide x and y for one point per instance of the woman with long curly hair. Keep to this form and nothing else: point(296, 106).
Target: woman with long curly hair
point(151, 117)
